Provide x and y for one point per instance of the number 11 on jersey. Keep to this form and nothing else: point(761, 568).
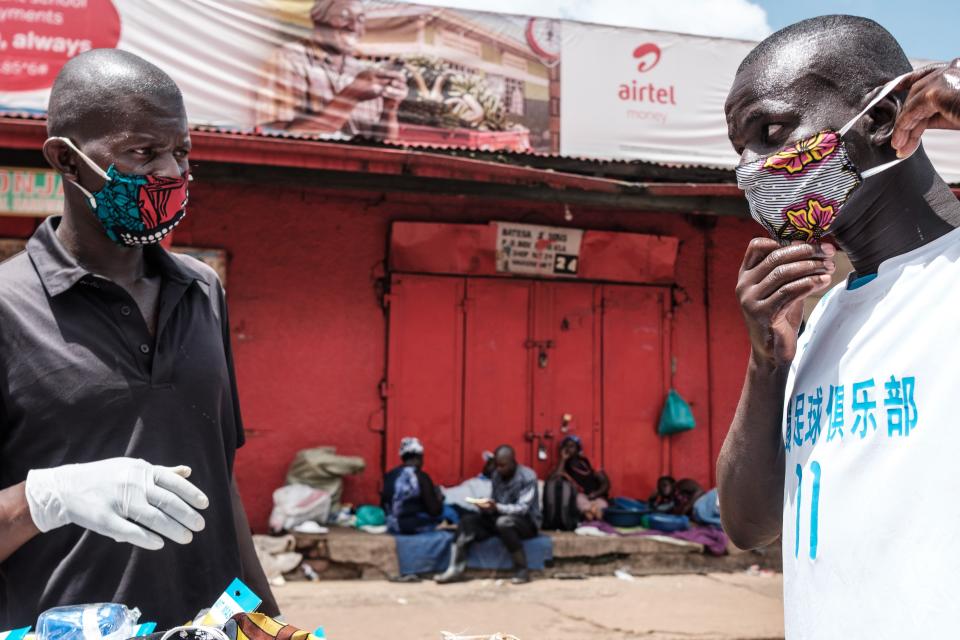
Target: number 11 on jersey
point(814, 509)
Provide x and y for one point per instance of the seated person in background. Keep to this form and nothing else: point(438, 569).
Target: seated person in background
point(410, 499)
point(686, 493)
point(706, 509)
point(663, 499)
point(675, 496)
point(479, 486)
point(592, 485)
point(512, 514)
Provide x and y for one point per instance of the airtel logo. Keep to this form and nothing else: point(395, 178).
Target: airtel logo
point(648, 55)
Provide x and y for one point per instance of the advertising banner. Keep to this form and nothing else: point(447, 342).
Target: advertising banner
point(659, 97)
point(656, 96)
point(329, 68)
point(407, 74)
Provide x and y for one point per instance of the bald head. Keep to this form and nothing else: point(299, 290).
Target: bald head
point(818, 75)
point(814, 75)
point(505, 459)
point(850, 54)
point(101, 91)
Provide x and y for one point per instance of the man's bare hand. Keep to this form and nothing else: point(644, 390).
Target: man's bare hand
point(395, 88)
point(368, 84)
point(773, 283)
point(933, 103)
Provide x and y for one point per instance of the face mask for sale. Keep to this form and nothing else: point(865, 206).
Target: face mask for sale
point(135, 210)
point(797, 193)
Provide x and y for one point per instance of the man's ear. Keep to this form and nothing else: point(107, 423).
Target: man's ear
point(883, 117)
point(62, 158)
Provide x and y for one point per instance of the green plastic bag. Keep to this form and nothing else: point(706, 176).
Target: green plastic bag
point(370, 516)
point(676, 416)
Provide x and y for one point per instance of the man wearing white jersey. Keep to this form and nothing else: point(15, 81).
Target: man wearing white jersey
point(839, 430)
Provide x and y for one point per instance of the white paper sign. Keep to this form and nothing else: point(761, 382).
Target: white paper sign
point(538, 251)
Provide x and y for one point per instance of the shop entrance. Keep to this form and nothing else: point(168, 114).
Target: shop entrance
point(477, 362)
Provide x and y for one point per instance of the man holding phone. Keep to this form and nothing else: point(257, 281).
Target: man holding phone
point(320, 86)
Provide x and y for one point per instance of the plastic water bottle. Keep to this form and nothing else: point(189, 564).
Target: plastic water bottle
point(104, 621)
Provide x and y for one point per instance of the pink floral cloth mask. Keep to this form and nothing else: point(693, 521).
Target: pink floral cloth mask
point(797, 192)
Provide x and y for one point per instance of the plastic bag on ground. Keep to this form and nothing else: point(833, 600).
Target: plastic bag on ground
point(276, 556)
point(297, 503)
point(322, 468)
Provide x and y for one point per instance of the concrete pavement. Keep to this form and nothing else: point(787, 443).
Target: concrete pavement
point(705, 607)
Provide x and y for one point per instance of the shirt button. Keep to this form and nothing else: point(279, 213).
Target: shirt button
point(144, 349)
point(124, 310)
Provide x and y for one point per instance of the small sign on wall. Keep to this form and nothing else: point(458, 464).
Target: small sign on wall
point(30, 192)
point(533, 250)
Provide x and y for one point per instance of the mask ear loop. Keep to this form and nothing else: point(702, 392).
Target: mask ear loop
point(884, 92)
point(90, 163)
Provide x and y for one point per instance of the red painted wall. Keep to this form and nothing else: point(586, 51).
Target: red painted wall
point(310, 335)
point(17, 227)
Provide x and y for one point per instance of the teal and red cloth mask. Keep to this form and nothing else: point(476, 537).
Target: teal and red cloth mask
point(135, 210)
point(797, 192)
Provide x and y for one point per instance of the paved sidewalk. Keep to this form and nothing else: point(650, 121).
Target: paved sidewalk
point(705, 607)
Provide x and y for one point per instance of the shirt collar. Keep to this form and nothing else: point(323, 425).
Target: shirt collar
point(59, 270)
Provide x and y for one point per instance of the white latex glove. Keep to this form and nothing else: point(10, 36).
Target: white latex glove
point(126, 499)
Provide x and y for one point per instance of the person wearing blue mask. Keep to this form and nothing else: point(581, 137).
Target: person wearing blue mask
point(119, 416)
point(839, 422)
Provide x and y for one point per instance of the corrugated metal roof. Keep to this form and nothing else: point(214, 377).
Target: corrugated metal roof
point(638, 170)
point(628, 170)
point(463, 151)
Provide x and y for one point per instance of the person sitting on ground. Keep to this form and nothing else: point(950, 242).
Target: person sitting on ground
point(686, 493)
point(410, 499)
point(663, 499)
point(512, 514)
point(479, 486)
point(592, 485)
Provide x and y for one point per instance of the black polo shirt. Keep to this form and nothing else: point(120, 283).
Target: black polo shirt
point(82, 379)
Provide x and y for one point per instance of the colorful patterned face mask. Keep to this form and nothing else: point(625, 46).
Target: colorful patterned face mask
point(135, 210)
point(797, 193)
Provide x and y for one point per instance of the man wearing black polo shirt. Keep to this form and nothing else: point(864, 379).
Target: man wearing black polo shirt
point(116, 373)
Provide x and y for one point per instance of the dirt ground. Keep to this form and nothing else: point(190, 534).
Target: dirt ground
point(705, 607)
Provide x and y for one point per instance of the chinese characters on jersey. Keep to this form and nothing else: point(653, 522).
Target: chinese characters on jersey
point(855, 411)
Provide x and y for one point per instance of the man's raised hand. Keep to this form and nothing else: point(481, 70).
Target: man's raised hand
point(774, 281)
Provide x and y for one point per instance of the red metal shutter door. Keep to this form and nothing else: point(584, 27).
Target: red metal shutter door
point(497, 371)
point(634, 386)
point(425, 371)
point(566, 371)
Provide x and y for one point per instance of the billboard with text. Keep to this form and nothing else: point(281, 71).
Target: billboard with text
point(407, 74)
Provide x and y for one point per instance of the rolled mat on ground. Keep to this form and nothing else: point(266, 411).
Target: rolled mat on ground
point(430, 553)
point(714, 540)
